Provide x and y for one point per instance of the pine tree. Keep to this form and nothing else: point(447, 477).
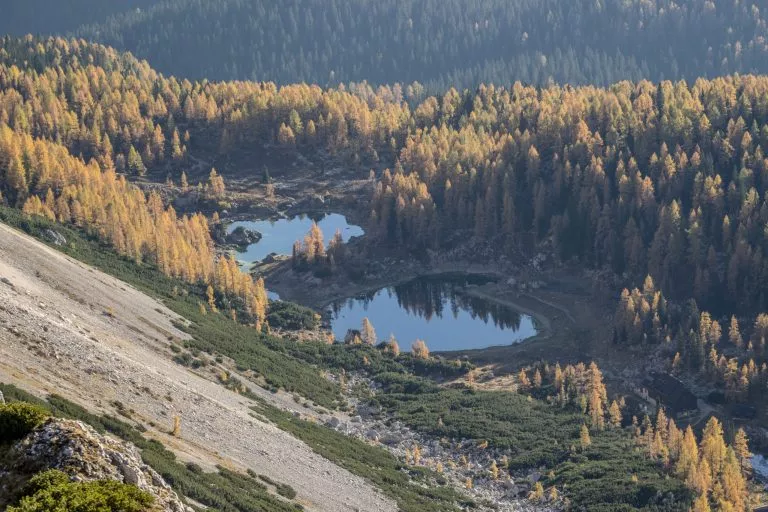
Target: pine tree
point(733, 481)
point(537, 494)
point(712, 447)
point(699, 477)
point(285, 136)
point(741, 449)
point(523, 381)
point(662, 423)
point(368, 333)
point(216, 184)
point(209, 293)
point(135, 163)
point(677, 363)
point(584, 439)
point(615, 414)
point(419, 350)
point(416, 455)
point(393, 346)
point(734, 333)
point(689, 453)
point(177, 152)
point(470, 379)
point(701, 504)
point(558, 379)
point(494, 471)
point(537, 379)
point(595, 408)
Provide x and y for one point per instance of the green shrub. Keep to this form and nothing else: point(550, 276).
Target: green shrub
point(52, 491)
point(287, 315)
point(18, 419)
point(44, 480)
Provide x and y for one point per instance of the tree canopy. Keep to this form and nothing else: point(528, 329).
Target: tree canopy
point(440, 44)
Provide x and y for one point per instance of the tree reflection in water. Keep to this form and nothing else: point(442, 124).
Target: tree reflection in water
point(434, 300)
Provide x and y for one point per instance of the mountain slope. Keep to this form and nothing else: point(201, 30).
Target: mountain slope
point(438, 43)
point(70, 329)
point(46, 17)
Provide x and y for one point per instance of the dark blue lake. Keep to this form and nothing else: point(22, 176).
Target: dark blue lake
point(436, 309)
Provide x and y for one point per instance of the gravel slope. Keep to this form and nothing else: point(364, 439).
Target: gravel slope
point(70, 329)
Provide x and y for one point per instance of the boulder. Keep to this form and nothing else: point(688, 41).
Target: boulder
point(534, 477)
point(54, 237)
point(509, 485)
point(367, 411)
point(390, 439)
point(243, 237)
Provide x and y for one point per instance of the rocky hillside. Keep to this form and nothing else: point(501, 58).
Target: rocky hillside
point(84, 455)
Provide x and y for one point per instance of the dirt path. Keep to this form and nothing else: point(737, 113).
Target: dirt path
point(70, 329)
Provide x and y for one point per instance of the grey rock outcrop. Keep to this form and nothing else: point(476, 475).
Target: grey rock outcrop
point(54, 237)
point(85, 455)
point(243, 237)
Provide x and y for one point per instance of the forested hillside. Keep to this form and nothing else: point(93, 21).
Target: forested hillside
point(665, 180)
point(440, 44)
point(43, 17)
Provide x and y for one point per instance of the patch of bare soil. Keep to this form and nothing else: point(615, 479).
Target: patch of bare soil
point(67, 328)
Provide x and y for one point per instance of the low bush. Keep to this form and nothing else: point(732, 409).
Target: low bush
point(287, 315)
point(18, 419)
point(44, 480)
point(51, 491)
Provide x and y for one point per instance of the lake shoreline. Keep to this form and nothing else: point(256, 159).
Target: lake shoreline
point(321, 294)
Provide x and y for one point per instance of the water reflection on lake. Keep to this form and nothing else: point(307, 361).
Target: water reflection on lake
point(437, 310)
point(279, 235)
